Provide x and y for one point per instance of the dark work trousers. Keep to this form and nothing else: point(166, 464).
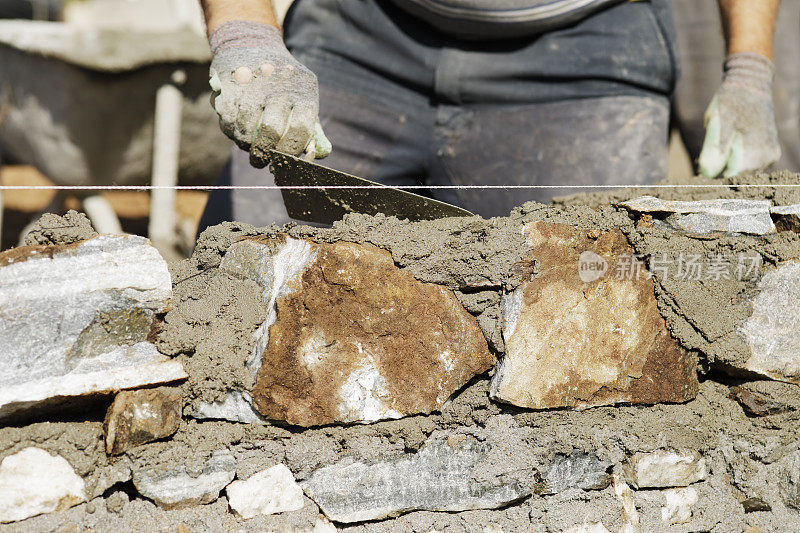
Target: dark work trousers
point(404, 104)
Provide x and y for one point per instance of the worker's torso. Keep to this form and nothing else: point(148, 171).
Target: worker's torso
point(481, 19)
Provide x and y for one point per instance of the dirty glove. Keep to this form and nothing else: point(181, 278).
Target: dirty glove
point(264, 97)
point(741, 135)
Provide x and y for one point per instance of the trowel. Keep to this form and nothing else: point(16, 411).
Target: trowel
point(324, 195)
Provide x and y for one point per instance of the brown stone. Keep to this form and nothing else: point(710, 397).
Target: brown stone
point(755, 404)
point(356, 339)
point(584, 330)
point(141, 416)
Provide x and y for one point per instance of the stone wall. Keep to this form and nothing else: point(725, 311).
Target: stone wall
point(626, 367)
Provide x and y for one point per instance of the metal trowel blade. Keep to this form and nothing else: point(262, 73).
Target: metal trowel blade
point(329, 194)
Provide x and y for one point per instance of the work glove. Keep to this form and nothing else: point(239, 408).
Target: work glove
point(741, 135)
point(264, 97)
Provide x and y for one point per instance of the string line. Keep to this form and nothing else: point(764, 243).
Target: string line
point(357, 187)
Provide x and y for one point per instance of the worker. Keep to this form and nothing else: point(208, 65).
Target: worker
point(463, 92)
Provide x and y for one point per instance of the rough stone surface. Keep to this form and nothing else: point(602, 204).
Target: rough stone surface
point(270, 491)
point(580, 333)
point(440, 477)
point(679, 503)
point(578, 469)
point(77, 318)
point(664, 468)
point(771, 330)
point(178, 487)
point(33, 482)
point(708, 216)
point(141, 416)
point(756, 404)
point(787, 217)
point(351, 338)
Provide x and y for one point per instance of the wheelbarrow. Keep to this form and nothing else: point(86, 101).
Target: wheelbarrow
point(100, 107)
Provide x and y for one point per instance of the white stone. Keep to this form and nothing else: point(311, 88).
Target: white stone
point(175, 488)
point(57, 302)
point(786, 210)
point(323, 525)
point(664, 468)
point(270, 491)
point(236, 406)
point(630, 516)
point(706, 216)
point(33, 482)
point(678, 509)
point(772, 330)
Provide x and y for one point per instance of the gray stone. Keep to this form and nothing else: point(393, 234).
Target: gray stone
point(708, 216)
point(440, 477)
point(773, 327)
point(578, 469)
point(175, 487)
point(76, 320)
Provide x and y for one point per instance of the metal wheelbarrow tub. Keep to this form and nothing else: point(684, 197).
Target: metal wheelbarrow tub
point(78, 103)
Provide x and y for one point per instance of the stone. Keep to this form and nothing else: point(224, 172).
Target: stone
point(137, 417)
point(323, 525)
point(350, 337)
point(771, 330)
point(270, 491)
point(679, 503)
point(756, 404)
point(235, 406)
point(664, 469)
point(440, 477)
point(584, 329)
point(787, 217)
point(582, 470)
point(629, 517)
point(173, 487)
point(33, 482)
point(708, 216)
point(77, 319)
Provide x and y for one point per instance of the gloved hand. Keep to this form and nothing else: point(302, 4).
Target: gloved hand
point(741, 135)
point(264, 97)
